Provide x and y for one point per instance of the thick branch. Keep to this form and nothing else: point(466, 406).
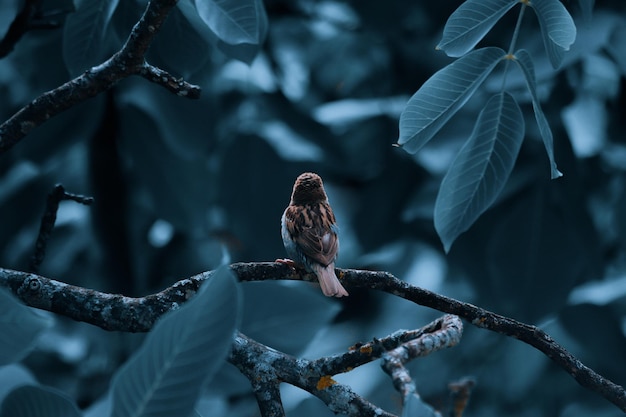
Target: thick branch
point(126, 62)
point(443, 333)
point(86, 305)
point(266, 366)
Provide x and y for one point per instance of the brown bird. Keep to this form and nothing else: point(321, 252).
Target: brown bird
point(309, 233)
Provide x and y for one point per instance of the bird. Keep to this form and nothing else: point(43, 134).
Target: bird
point(309, 233)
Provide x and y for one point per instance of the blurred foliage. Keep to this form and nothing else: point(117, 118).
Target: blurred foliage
point(182, 186)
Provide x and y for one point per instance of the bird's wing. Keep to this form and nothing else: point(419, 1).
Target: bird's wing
point(315, 235)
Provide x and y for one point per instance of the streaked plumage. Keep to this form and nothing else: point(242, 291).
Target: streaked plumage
point(309, 232)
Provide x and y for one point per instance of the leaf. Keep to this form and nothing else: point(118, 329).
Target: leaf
point(84, 33)
point(284, 318)
point(19, 328)
point(415, 407)
point(13, 376)
point(470, 23)
point(586, 6)
point(586, 120)
point(183, 350)
point(37, 401)
point(525, 63)
point(442, 95)
point(177, 185)
point(235, 21)
point(180, 45)
point(557, 28)
point(480, 170)
point(533, 253)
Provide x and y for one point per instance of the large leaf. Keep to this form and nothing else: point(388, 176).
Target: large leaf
point(84, 33)
point(35, 401)
point(283, 317)
point(557, 28)
point(13, 376)
point(178, 186)
point(442, 95)
point(185, 348)
point(181, 46)
point(481, 168)
point(235, 21)
point(19, 328)
point(470, 23)
point(525, 63)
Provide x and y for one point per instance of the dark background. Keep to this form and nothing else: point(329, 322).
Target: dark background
point(181, 186)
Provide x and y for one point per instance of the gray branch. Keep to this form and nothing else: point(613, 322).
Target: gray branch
point(130, 60)
point(117, 312)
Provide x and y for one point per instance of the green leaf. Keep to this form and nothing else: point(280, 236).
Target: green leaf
point(84, 34)
point(525, 63)
point(480, 170)
point(36, 401)
point(470, 23)
point(183, 350)
point(235, 21)
point(442, 95)
point(557, 28)
point(19, 328)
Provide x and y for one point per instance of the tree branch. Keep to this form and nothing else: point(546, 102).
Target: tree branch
point(48, 219)
point(30, 17)
point(130, 60)
point(139, 314)
point(440, 334)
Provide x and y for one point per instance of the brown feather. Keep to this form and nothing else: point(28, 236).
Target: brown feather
point(315, 237)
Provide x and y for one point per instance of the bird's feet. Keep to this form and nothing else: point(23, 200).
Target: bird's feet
point(286, 261)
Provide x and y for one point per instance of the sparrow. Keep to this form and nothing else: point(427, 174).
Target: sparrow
point(309, 233)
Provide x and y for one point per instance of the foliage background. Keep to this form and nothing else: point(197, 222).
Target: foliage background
point(181, 186)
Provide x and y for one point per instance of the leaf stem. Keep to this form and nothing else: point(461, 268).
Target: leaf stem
point(517, 28)
point(509, 54)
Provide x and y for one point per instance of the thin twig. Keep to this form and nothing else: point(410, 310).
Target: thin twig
point(130, 60)
point(29, 18)
point(48, 220)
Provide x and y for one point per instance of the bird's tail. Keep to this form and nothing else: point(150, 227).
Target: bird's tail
point(331, 287)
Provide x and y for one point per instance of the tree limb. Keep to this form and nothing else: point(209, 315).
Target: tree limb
point(130, 60)
point(139, 314)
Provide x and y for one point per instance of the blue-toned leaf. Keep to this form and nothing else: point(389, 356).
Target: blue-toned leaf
point(180, 45)
point(19, 328)
point(442, 95)
point(525, 63)
point(284, 318)
point(480, 170)
point(84, 33)
point(415, 407)
point(235, 21)
point(557, 28)
point(185, 348)
point(13, 376)
point(36, 401)
point(587, 8)
point(470, 23)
